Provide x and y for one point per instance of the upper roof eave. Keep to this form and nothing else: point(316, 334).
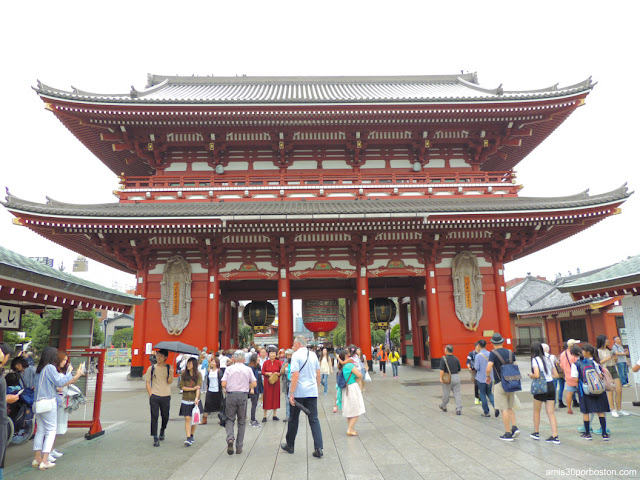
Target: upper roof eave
point(192, 91)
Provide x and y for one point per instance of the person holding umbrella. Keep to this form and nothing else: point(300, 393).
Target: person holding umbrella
point(159, 378)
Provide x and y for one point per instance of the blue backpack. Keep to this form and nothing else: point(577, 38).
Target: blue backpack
point(509, 374)
point(340, 380)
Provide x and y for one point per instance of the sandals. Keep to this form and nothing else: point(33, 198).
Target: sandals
point(352, 434)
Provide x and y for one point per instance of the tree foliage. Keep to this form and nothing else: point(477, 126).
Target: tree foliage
point(245, 334)
point(122, 338)
point(395, 335)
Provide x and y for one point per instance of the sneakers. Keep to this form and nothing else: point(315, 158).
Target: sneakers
point(161, 437)
point(623, 412)
point(156, 442)
point(264, 419)
point(535, 436)
point(45, 466)
point(561, 405)
point(238, 451)
point(276, 419)
point(189, 441)
point(458, 412)
point(444, 409)
point(605, 437)
point(335, 408)
point(230, 447)
point(485, 415)
point(286, 419)
point(56, 454)
point(614, 413)
point(254, 423)
point(496, 412)
point(515, 432)
point(317, 453)
point(507, 437)
point(286, 448)
point(586, 436)
point(553, 440)
point(476, 401)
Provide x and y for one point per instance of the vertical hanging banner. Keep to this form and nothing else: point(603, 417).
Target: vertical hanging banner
point(176, 298)
point(631, 311)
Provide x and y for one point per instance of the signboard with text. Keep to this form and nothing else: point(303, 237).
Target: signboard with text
point(631, 310)
point(9, 317)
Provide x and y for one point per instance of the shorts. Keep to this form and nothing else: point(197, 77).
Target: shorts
point(569, 388)
point(549, 396)
point(504, 400)
point(614, 372)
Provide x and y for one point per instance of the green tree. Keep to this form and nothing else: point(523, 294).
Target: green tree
point(395, 335)
point(12, 338)
point(245, 334)
point(122, 338)
point(98, 334)
point(338, 336)
point(40, 334)
point(377, 337)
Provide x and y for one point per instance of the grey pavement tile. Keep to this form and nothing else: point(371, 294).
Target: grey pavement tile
point(404, 472)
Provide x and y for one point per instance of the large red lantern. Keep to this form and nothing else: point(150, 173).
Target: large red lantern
point(259, 315)
point(320, 316)
point(382, 311)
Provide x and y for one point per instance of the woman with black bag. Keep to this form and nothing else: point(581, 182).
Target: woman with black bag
point(213, 399)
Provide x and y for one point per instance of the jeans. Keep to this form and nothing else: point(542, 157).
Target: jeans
point(558, 384)
point(159, 405)
point(287, 405)
point(292, 428)
point(484, 390)
point(254, 403)
point(394, 368)
point(623, 372)
point(324, 380)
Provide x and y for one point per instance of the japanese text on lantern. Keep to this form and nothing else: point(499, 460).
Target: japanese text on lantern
point(176, 298)
point(467, 292)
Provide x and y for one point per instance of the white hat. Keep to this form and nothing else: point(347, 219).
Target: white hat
point(571, 342)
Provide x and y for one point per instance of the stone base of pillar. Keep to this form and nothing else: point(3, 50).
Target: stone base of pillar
point(136, 372)
point(404, 359)
point(435, 363)
point(416, 361)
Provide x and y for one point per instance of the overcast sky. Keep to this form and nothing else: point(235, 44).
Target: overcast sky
point(109, 46)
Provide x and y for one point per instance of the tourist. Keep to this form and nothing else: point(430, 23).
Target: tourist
point(607, 359)
point(542, 366)
point(159, 378)
point(506, 402)
point(214, 401)
point(363, 366)
point(27, 372)
point(5, 352)
point(450, 365)
point(326, 369)
point(394, 358)
point(263, 356)
point(351, 400)
point(254, 393)
point(62, 365)
point(285, 372)
point(560, 381)
point(281, 355)
point(271, 381)
point(190, 385)
point(382, 358)
point(485, 388)
point(238, 380)
point(48, 380)
point(621, 360)
point(597, 404)
point(471, 359)
point(305, 377)
point(568, 358)
point(224, 360)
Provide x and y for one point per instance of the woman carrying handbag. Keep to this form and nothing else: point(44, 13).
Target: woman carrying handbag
point(543, 390)
point(48, 380)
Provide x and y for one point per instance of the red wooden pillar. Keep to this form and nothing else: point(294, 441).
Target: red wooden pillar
point(226, 335)
point(364, 321)
point(66, 329)
point(591, 331)
point(139, 326)
point(285, 317)
point(433, 311)
point(556, 320)
point(416, 334)
point(213, 307)
point(504, 322)
point(404, 328)
point(235, 333)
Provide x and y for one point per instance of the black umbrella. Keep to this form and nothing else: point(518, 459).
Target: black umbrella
point(177, 347)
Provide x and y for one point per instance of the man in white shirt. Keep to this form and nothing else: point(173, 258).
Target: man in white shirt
point(305, 377)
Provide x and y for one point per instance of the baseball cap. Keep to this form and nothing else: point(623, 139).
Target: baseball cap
point(572, 341)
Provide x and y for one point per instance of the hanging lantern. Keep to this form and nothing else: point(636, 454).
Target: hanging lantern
point(382, 311)
point(320, 316)
point(259, 315)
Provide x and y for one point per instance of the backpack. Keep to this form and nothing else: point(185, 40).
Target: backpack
point(340, 380)
point(509, 374)
point(592, 379)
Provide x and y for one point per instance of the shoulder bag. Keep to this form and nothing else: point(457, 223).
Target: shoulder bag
point(538, 385)
point(446, 376)
point(44, 405)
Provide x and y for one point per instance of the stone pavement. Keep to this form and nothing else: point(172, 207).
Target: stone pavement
point(403, 435)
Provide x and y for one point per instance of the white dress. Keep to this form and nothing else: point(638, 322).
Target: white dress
point(352, 401)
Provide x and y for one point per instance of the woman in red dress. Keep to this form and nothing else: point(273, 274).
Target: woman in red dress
point(271, 396)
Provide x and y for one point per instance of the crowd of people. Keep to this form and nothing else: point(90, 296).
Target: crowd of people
point(581, 376)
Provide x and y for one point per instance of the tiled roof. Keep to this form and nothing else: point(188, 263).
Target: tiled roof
point(15, 267)
point(317, 208)
point(621, 274)
point(313, 90)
